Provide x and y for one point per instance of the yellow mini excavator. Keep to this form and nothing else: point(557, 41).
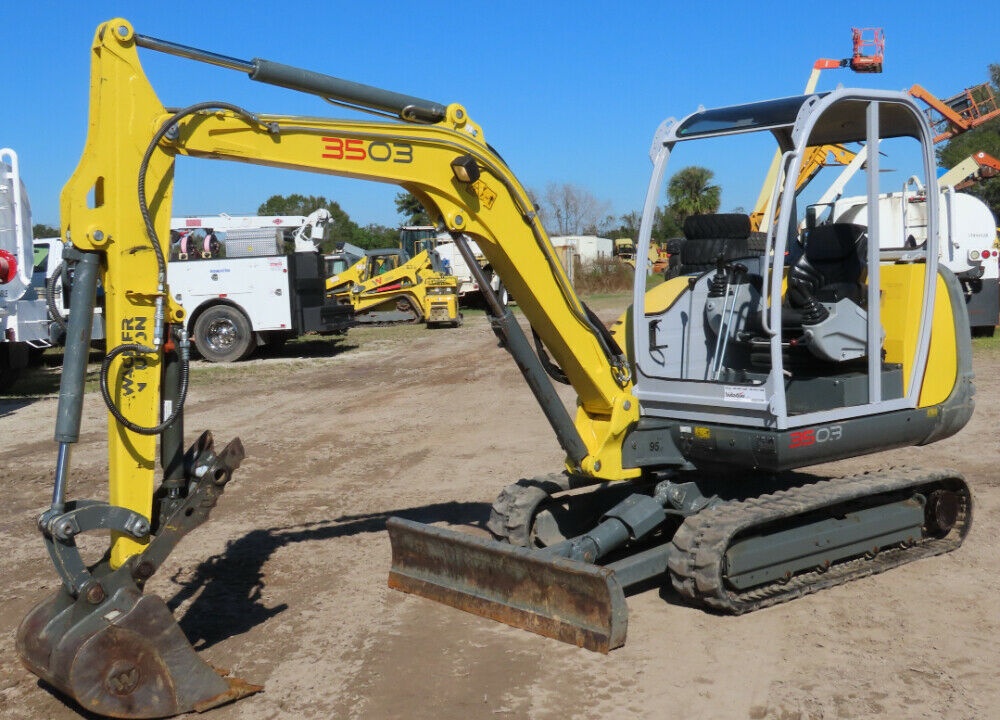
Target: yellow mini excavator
point(818, 342)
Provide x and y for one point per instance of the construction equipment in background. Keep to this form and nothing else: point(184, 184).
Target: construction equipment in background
point(416, 238)
point(868, 57)
point(656, 260)
point(959, 113)
point(624, 250)
point(687, 415)
point(344, 256)
point(24, 319)
point(239, 289)
point(388, 286)
point(816, 159)
point(975, 168)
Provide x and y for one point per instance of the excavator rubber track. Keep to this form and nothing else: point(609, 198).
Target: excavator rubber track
point(698, 565)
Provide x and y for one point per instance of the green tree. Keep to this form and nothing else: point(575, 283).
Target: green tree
point(379, 236)
point(412, 211)
point(44, 231)
point(665, 225)
point(691, 192)
point(341, 228)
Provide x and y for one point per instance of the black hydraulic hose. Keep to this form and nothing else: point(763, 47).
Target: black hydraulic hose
point(50, 298)
point(551, 369)
point(602, 331)
point(109, 401)
point(144, 166)
point(161, 264)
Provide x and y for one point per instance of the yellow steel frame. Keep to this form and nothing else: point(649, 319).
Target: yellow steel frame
point(100, 213)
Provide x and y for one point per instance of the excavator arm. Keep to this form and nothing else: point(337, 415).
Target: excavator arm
point(116, 212)
point(494, 210)
point(132, 144)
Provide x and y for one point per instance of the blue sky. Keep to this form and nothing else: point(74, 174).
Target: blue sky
point(567, 92)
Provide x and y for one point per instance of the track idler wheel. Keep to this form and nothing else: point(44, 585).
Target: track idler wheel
point(941, 512)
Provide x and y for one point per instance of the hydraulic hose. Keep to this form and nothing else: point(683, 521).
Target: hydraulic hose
point(50, 298)
point(161, 280)
point(181, 394)
point(165, 128)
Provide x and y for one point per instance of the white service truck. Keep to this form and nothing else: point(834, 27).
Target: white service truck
point(967, 243)
point(240, 290)
point(24, 321)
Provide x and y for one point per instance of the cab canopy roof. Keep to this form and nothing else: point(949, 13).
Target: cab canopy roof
point(843, 118)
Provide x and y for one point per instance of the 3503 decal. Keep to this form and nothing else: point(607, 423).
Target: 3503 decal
point(338, 148)
point(814, 436)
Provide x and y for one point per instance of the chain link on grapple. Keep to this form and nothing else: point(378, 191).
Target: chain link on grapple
point(99, 639)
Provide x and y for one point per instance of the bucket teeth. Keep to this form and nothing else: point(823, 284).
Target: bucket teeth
point(124, 658)
point(575, 602)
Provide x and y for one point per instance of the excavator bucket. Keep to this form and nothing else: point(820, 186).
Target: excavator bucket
point(124, 658)
point(112, 649)
point(575, 602)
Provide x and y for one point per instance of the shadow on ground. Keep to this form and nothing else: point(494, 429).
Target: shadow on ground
point(228, 586)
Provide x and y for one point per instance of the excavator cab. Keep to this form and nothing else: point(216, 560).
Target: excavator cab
point(816, 323)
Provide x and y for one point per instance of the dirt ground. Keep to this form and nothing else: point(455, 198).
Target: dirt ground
point(286, 584)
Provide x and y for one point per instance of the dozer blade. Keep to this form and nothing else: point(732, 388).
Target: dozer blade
point(575, 602)
point(125, 657)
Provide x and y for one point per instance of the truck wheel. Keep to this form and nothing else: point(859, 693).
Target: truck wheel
point(223, 334)
point(502, 294)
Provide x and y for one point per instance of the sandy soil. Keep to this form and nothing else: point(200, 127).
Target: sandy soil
point(286, 584)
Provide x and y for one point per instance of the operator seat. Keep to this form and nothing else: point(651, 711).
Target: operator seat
point(830, 268)
point(826, 298)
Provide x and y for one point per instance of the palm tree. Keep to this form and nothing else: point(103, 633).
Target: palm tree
point(690, 193)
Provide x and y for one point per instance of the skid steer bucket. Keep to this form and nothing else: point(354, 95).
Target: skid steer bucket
point(125, 657)
point(575, 602)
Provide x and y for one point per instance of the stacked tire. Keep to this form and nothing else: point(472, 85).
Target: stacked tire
point(707, 238)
